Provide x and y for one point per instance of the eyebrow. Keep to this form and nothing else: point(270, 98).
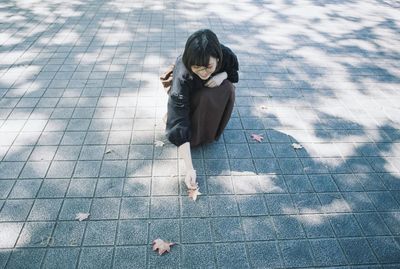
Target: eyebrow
point(200, 66)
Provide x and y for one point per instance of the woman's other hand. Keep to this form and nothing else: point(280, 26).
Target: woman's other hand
point(216, 80)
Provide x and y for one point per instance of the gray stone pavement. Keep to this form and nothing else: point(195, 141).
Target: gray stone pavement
point(81, 109)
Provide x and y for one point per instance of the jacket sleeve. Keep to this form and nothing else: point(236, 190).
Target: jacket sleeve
point(178, 120)
point(231, 65)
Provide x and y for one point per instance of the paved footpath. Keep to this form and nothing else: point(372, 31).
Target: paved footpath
point(81, 108)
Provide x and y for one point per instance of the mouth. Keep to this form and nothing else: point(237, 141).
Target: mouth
point(204, 78)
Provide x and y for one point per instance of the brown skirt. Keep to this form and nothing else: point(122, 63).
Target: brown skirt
point(211, 109)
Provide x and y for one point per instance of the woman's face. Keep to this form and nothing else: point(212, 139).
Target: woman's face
point(204, 72)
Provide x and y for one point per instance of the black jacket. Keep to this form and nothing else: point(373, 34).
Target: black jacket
point(183, 84)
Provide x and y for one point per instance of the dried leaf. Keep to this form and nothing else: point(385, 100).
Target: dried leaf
point(45, 241)
point(73, 242)
point(297, 146)
point(162, 246)
point(82, 216)
point(159, 143)
point(256, 137)
point(193, 193)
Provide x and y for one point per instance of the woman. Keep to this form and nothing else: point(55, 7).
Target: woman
point(201, 97)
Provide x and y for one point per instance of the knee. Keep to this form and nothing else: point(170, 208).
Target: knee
point(229, 87)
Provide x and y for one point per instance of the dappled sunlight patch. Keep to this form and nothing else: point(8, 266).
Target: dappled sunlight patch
point(311, 219)
point(9, 40)
point(243, 173)
point(346, 149)
point(323, 150)
point(292, 122)
point(240, 42)
point(336, 205)
point(298, 135)
point(333, 162)
point(9, 233)
point(238, 12)
point(391, 164)
point(219, 184)
point(246, 184)
point(36, 234)
point(393, 150)
point(12, 74)
point(271, 184)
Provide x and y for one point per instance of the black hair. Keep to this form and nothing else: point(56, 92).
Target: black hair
point(200, 46)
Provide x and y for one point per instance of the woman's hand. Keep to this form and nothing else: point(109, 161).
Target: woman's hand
point(216, 80)
point(190, 179)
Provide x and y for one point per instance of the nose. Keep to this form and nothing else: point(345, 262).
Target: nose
point(206, 72)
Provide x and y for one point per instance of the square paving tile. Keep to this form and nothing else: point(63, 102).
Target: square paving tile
point(264, 254)
point(26, 258)
point(73, 206)
point(36, 234)
point(105, 208)
point(27, 188)
point(95, 257)
point(296, 253)
point(61, 258)
point(223, 205)
point(327, 252)
point(137, 186)
point(16, 210)
point(164, 207)
point(227, 229)
point(196, 230)
point(10, 170)
point(82, 187)
point(251, 205)
point(132, 232)
point(232, 255)
point(45, 209)
point(198, 254)
point(87, 169)
point(68, 234)
point(135, 207)
point(130, 257)
point(258, 228)
point(109, 187)
point(9, 233)
point(357, 251)
point(100, 233)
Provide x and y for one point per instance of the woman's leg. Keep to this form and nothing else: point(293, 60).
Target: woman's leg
point(211, 111)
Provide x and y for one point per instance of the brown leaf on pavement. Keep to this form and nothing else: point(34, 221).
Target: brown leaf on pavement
point(82, 216)
point(193, 193)
point(256, 137)
point(159, 143)
point(162, 246)
point(297, 146)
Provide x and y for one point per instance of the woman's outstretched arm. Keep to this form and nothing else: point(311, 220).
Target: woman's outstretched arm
point(185, 154)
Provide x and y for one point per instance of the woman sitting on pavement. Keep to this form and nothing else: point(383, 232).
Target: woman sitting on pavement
point(201, 96)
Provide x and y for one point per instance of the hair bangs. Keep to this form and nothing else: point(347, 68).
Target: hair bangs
point(201, 58)
point(199, 47)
